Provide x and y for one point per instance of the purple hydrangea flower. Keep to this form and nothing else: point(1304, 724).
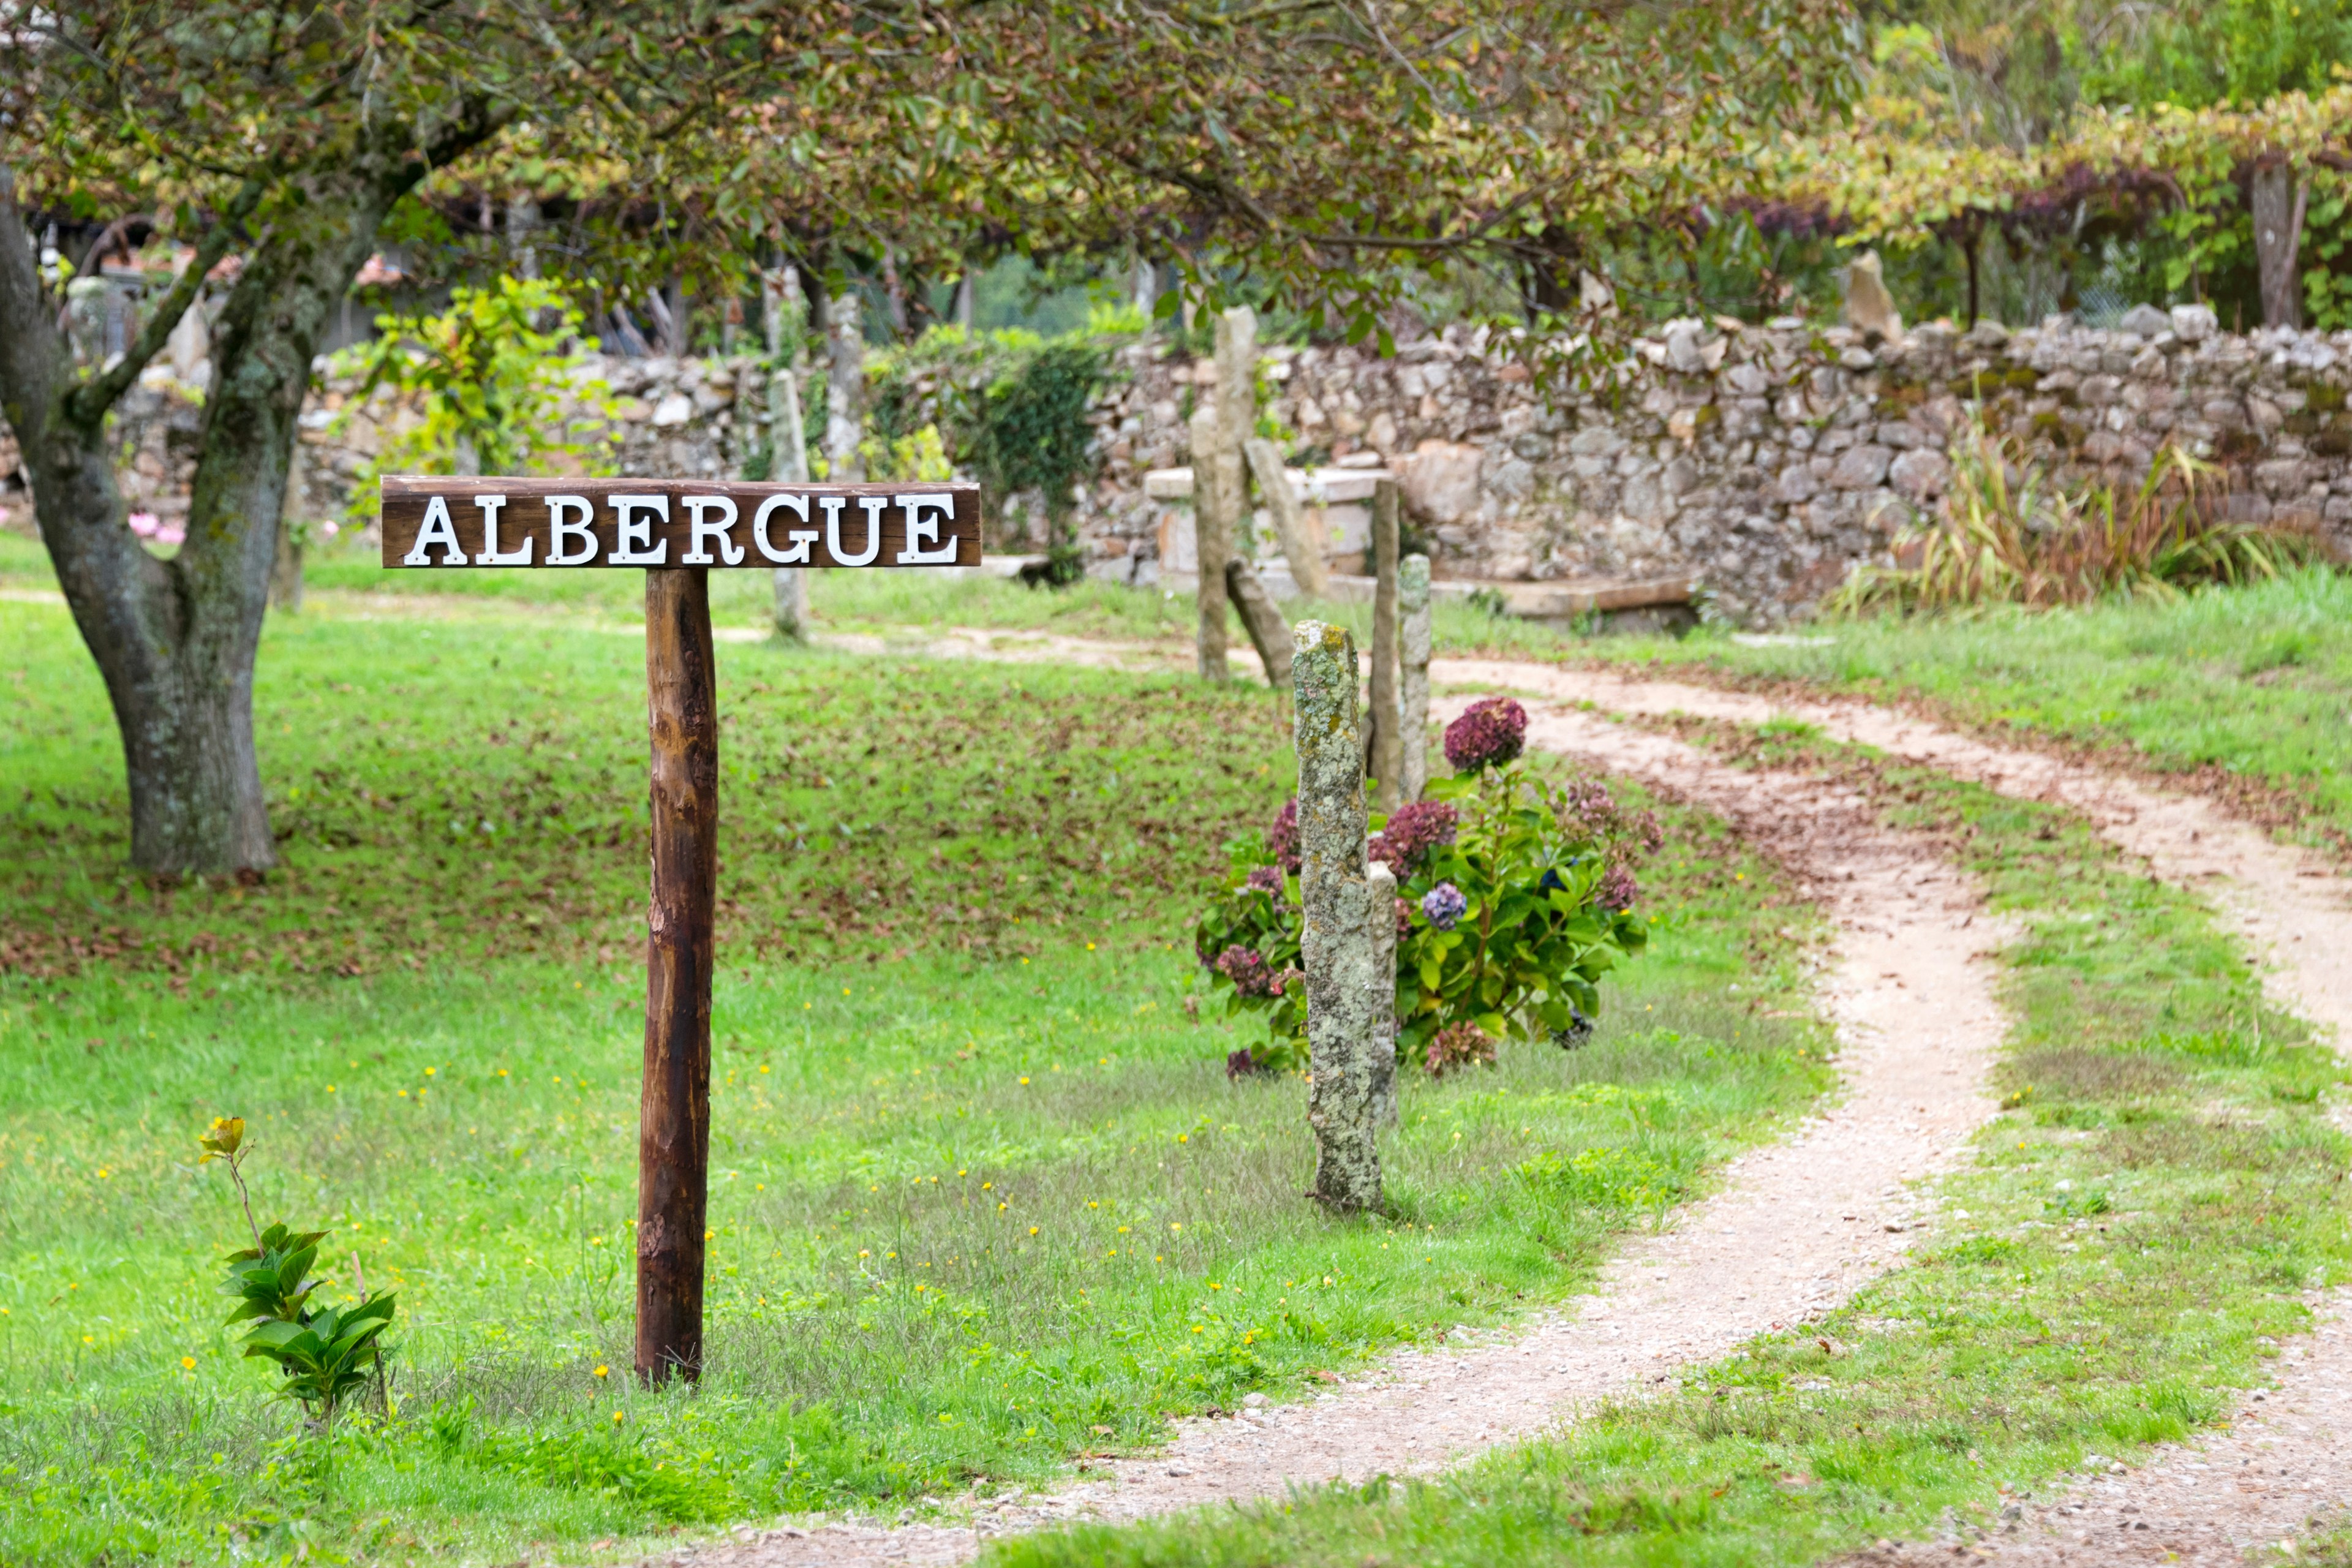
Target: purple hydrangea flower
point(1267, 880)
point(1404, 920)
point(1617, 890)
point(1412, 831)
point(1461, 1046)
point(1247, 968)
point(1491, 731)
point(1282, 838)
point(1443, 904)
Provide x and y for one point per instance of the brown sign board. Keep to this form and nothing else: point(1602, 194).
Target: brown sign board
point(434, 522)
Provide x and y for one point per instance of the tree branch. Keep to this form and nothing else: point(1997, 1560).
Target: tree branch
point(87, 403)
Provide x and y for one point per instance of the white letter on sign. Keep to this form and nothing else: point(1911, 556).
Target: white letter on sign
point(635, 545)
point(569, 518)
point(700, 529)
point(491, 555)
point(871, 506)
point(439, 530)
point(802, 538)
point(925, 531)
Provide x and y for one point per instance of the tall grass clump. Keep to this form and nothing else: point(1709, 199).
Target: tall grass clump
point(2007, 534)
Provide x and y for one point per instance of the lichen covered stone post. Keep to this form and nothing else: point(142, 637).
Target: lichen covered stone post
point(1412, 687)
point(1212, 544)
point(1343, 984)
point(1381, 1043)
point(1387, 752)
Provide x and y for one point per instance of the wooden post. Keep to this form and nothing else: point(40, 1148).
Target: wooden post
point(673, 1119)
point(1386, 761)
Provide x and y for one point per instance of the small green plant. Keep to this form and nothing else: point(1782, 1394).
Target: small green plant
point(491, 373)
point(2006, 535)
point(326, 1354)
point(921, 458)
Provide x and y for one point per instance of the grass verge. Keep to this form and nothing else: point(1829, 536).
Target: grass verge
point(2245, 685)
point(982, 1197)
point(2132, 1238)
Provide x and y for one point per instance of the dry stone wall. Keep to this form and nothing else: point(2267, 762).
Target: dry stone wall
point(1761, 462)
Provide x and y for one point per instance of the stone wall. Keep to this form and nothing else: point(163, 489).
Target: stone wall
point(1763, 461)
point(1759, 462)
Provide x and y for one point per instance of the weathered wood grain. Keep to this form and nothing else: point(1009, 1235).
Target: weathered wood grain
point(432, 523)
point(674, 1114)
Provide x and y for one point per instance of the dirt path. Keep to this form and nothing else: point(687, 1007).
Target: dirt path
point(1796, 1227)
point(2289, 903)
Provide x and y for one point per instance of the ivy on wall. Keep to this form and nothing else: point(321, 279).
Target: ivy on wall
point(1010, 408)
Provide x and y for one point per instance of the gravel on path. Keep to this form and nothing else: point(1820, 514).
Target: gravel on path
point(1794, 1229)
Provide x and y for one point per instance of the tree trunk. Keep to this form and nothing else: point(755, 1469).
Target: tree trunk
point(175, 641)
point(2278, 203)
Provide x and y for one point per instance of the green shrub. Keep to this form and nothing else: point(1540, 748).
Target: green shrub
point(1515, 899)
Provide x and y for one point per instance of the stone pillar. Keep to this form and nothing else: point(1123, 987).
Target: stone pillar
point(787, 313)
point(1300, 546)
point(1212, 543)
point(1412, 684)
point(1387, 756)
point(845, 400)
point(1336, 947)
point(1220, 485)
point(1381, 1043)
point(1268, 632)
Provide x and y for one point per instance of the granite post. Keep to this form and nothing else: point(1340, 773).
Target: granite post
point(1412, 684)
point(1343, 984)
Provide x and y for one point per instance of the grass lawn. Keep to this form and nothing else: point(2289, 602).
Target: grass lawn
point(2251, 681)
point(2132, 1238)
point(348, 580)
point(982, 1197)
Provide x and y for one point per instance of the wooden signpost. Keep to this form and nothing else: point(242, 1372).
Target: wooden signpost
point(677, 530)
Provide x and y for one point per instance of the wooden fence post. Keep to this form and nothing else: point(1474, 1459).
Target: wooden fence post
point(1336, 947)
point(1386, 756)
point(1412, 685)
point(673, 1118)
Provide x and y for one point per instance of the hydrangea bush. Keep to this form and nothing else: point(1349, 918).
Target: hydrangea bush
point(1518, 897)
